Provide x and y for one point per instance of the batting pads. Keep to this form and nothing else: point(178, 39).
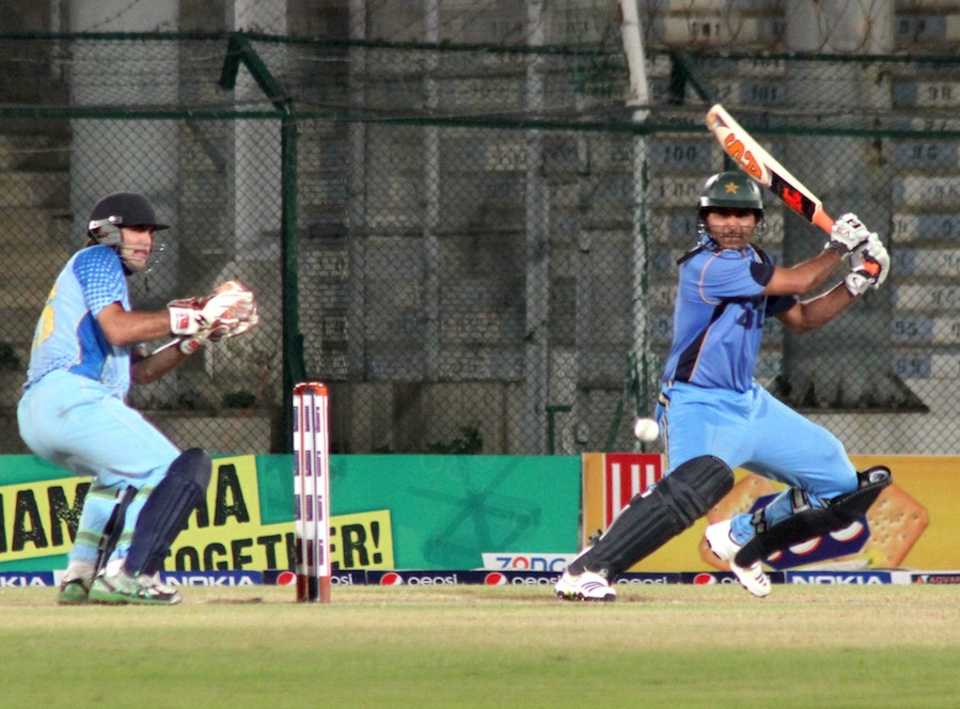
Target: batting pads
point(167, 510)
point(655, 517)
point(812, 522)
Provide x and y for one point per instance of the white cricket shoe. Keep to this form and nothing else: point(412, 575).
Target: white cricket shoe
point(153, 581)
point(588, 586)
point(724, 548)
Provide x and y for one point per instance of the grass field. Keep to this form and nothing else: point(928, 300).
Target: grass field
point(668, 646)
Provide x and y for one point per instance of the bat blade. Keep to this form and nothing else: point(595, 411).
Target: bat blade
point(762, 167)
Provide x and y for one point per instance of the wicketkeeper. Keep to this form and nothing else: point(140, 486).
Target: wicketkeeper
point(86, 351)
point(713, 415)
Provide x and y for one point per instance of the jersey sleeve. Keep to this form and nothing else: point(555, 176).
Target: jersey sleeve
point(101, 278)
point(728, 274)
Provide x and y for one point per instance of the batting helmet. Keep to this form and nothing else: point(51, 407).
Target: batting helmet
point(732, 190)
point(729, 190)
point(121, 209)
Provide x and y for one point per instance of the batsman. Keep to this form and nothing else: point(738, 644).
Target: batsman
point(87, 349)
point(715, 417)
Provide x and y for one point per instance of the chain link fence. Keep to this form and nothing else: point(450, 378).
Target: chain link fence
point(484, 240)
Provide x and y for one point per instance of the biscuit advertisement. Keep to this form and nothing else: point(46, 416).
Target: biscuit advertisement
point(912, 525)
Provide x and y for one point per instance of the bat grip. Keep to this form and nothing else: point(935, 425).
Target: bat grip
point(823, 220)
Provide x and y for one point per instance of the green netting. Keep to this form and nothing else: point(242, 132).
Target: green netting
point(483, 240)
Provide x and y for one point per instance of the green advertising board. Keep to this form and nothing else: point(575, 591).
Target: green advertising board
point(389, 511)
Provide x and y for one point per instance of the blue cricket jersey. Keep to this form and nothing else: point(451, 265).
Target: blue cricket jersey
point(718, 317)
point(68, 335)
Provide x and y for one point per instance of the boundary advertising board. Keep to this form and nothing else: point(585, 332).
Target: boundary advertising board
point(388, 511)
point(914, 524)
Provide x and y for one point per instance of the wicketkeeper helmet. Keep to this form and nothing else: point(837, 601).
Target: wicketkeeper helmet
point(118, 210)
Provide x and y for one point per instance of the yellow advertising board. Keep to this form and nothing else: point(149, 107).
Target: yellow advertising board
point(39, 519)
point(913, 525)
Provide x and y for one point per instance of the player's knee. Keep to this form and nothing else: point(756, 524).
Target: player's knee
point(869, 484)
point(878, 476)
point(848, 483)
point(695, 486)
point(192, 465)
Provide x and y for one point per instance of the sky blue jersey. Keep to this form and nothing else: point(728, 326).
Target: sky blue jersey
point(68, 335)
point(718, 317)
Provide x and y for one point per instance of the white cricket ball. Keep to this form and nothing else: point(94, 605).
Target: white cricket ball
point(646, 430)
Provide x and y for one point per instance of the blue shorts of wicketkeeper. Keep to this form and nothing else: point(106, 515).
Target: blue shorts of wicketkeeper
point(756, 431)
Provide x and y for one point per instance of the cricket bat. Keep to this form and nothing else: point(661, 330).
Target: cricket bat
point(753, 159)
point(760, 165)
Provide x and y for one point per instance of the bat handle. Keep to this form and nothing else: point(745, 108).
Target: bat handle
point(823, 220)
point(168, 345)
point(871, 267)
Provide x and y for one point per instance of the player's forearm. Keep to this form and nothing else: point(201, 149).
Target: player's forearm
point(805, 276)
point(151, 368)
point(821, 310)
point(123, 328)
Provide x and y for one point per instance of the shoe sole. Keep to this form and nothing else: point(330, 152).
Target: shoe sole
point(74, 595)
point(736, 575)
point(106, 598)
point(580, 597)
point(106, 601)
point(745, 586)
point(127, 601)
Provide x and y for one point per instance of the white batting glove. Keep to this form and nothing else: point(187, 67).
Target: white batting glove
point(847, 234)
point(229, 304)
point(874, 257)
point(869, 267)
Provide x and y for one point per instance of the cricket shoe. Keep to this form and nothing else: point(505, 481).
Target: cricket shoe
point(724, 548)
point(120, 588)
point(75, 584)
point(73, 592)
point(155, 582)
point(587, 586)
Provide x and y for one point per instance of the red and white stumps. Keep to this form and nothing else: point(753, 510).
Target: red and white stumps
point(311, 490)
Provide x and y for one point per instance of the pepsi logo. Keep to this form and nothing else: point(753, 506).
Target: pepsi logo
point(704, 579)
point(495, 578)
point(286, 578)
point(391, 578)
